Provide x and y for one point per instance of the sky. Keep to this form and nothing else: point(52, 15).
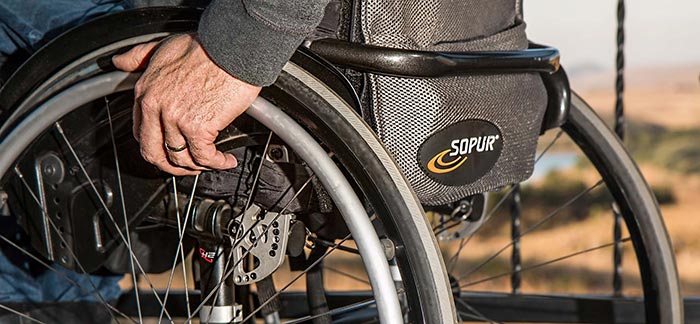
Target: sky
point(658, 33)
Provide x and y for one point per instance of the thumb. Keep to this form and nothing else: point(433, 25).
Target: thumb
point(136, 58)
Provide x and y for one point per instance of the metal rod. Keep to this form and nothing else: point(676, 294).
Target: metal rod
point(620, 131)
point(346, 200)
point(423, 64)
point(516, 264)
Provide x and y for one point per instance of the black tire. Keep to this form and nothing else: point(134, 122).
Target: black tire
point(328, 116)
point(334, 122)
point(325, 114)
point(491, 293)
point(640, 210)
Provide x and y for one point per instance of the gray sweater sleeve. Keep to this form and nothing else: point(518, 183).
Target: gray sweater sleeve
point(253, 39)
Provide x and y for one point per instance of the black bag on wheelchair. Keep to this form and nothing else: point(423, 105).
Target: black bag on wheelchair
point(454, 136)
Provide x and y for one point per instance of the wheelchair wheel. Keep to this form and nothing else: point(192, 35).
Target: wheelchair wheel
point(310, 174)
point(545, 250)
point(493, 279)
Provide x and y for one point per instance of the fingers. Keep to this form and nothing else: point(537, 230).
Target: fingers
point(152, 145)
point(204, 153)
point(174, 139)
point(136, 117)
point(172, 108)
point(136, 58)
point(153, 132)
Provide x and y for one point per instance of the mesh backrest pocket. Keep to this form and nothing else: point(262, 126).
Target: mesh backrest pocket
point(456, 136)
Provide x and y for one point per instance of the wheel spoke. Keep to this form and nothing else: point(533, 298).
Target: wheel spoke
point(121, 198)
point(320, 241)
point(549, 146)
point(493, 210)
point(179, 252)
point(359, 305)
point(462, 315)
point(249, 201)
point(11, 310)
point(452, 262)
point(343, 273)
point(562, 207)
point(247, 232)
point(98, 296)
point(180, 227)
point(474, 313)
point(60, 274)
point(530, 229)
point(58, 127)
point(289, 284)
point(251, 194)
point(463, 242)
point(535, 266)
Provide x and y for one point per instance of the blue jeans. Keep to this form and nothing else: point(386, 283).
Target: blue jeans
point(25, 25)
point(16, 285)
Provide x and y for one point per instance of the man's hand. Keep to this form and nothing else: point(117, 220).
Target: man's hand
point(183, 100)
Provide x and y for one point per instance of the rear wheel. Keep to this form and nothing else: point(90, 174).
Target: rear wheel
point(496, 273)
point(546, 250)
point(74, 178)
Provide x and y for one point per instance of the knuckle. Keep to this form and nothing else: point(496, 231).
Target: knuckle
point(134, 60)
point(148, 156)
point(170, 115)
point(201, 159)
point(148, 104)
point(177, 160)
point(139, 86)
point(188, 128)
point(174, 159)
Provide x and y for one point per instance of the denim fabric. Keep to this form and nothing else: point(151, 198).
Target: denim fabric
point(27, 24)
point(16, 285)
point(23, 279)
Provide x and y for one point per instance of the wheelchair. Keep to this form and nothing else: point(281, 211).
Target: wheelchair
point(321, 221)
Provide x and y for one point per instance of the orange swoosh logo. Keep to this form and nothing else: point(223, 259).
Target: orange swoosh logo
point(438, 165)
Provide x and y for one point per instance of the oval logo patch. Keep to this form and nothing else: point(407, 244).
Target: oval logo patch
point(461, 153)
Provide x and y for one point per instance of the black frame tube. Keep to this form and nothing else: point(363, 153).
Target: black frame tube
point(423, 64)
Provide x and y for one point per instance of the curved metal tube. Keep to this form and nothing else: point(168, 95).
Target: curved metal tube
point(284, 126)
point(346, 200)
point(422, 64)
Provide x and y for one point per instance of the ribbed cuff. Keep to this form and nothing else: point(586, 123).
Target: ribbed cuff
point(245, 47)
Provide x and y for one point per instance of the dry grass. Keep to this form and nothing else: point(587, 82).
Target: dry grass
point(683, 224)
point(668, 96)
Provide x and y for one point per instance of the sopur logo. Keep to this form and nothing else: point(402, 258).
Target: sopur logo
point(461, 153)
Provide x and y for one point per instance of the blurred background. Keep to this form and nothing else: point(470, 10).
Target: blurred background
point(662, 108)
point(662, 104)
